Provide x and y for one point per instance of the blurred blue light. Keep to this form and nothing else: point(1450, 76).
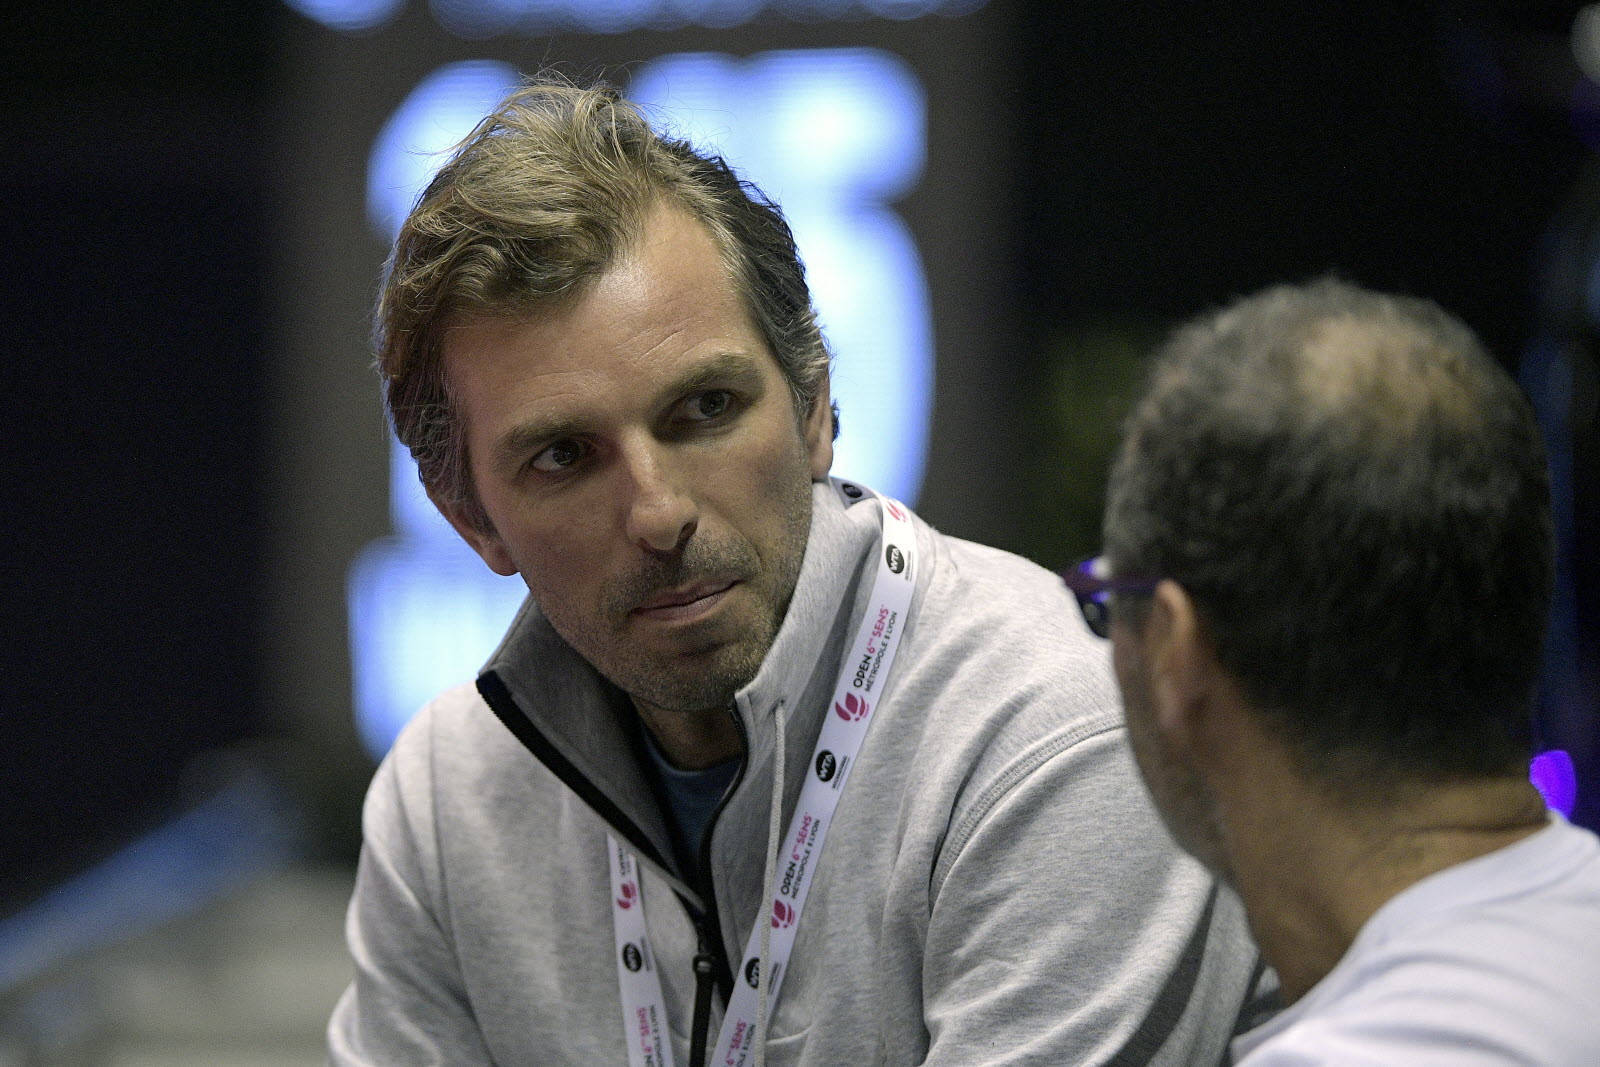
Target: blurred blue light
point(441, 110)
point(1554, 775)
point(246, 828)
point(424, 610)
point(479, 19)
point(898, 9)
point(612, 16)
point(718, 14)
point(348, 16)
point(424, 615)
point(832, 135)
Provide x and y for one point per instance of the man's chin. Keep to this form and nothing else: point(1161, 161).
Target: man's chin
point(697, 681)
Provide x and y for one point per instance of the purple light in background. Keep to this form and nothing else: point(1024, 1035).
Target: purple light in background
point(1554, 776)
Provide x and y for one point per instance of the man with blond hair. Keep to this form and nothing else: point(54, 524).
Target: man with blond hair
point(1328, 563)
point(766, 770)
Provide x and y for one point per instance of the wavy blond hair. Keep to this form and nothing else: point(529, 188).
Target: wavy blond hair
point(543, 195)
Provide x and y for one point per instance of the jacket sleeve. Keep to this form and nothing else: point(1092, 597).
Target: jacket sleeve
point(1066, 928)
point(407, 1003)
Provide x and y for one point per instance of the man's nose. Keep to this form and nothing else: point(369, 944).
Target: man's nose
point(661, 515)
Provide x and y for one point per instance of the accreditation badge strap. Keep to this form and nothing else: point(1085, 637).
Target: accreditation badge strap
point(644, 1009)
point(862, 678)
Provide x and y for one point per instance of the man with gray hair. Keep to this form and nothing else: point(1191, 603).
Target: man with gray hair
point(1327, 570)
point(766, 768)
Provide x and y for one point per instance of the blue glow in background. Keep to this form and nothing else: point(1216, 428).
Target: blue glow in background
point(482, 19)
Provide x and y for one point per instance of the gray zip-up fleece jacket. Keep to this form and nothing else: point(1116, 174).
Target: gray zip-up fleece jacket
point(994, 888)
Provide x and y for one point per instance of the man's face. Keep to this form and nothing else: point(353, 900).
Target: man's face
point(638, 454)
point(1179, 793)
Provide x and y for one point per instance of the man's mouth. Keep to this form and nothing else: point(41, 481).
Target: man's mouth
point(688, 602)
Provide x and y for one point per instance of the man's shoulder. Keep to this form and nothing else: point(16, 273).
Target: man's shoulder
point(1004, 623)
point(452, 775)
point(455, 727)
point(1472, 960)
point(1001, 677)
point(969, 575)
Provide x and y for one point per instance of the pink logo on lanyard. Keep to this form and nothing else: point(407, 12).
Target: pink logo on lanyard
point(894, 509)
point(853, 708)
point(782, 915)
point(630, 893)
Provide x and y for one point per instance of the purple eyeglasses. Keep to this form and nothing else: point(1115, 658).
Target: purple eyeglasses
point(1094, 591)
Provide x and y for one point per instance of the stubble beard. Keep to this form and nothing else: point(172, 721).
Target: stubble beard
point(705, 681)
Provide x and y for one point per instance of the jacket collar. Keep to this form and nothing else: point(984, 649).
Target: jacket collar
point(803, 663)
point(581, 726)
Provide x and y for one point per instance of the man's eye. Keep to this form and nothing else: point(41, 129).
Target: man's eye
point(558, 457)
point(703, 407)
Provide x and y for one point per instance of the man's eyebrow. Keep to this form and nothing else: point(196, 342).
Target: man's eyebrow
point(518, 441)
point(717, 369)
point(515, 444)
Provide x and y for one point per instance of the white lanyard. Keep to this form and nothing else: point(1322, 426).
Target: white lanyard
point(644, 1012)
point(862, 677)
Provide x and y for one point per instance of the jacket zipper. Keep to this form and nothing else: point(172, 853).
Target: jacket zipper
point(711, 966)
point(504, 706)
point(704, 968)
point(711, 961)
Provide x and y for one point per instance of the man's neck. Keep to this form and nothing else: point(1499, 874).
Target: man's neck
point(1312, 869)
point(692, 740)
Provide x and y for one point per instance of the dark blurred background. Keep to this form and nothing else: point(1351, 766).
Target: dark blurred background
point(199, 452)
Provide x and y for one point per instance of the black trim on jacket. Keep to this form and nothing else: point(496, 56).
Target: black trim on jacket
point(504, 705)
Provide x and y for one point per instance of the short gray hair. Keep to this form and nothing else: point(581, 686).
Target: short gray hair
point(1355, 495)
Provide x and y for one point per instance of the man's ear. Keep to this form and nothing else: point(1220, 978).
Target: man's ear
point(1183, 665)
point(486, 544)
point(818, 431)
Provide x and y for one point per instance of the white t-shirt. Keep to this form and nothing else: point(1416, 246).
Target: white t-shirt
point(1492, 961)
